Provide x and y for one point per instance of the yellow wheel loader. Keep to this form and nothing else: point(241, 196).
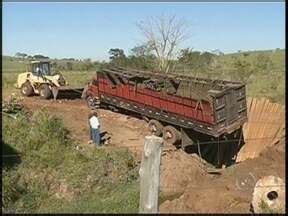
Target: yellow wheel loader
point(38, 79)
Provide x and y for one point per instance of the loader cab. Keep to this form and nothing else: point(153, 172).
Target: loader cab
point(40, 68)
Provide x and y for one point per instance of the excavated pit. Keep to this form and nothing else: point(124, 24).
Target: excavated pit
point(199, 191)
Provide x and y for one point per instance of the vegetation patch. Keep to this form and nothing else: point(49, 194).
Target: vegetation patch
point(265, 209)
point(262, 71)
point(52, 176)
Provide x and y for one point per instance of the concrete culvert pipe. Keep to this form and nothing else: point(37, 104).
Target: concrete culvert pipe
point(269, 195)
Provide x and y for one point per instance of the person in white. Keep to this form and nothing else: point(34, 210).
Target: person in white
point(38, 71)
point(95, 128)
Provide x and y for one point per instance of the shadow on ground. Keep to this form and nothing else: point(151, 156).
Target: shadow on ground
point(10, 157)
point(70, 94)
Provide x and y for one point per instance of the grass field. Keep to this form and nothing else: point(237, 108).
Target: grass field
point(269, 83)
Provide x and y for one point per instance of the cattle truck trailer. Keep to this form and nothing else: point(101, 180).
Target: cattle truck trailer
point(193, 113)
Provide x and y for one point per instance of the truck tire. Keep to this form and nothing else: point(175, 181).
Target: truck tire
point(90, 102)
point(171, 135)
point(93, 103)
point(155, 127)
point(27, 89)
point(45, 92)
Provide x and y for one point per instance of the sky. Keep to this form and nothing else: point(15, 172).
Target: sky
point(89, 30)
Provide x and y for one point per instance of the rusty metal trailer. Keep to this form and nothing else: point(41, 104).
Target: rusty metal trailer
point(187, 111)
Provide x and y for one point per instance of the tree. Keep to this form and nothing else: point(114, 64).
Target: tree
point(164, 35)
point(69, 66)
point(188, 56)
point(117, 56)
point(88, 65)
point(242, 68)
point(54, 64)
point(141, 50)
point(246, 54)
point(195, 59)
point(141, 57)
point(263, 63)
point(217, 52)
point(21, 55)
point(39, 56)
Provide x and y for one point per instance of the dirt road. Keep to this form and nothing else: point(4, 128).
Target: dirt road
point(183, 177)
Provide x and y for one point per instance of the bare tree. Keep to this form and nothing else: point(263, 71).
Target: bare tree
point(164, 34)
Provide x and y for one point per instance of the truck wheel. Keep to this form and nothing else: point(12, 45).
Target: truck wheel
point(155, 127)
point(27, 89)
point(45, 92)
point(170, 134)
point(93, 103)
point(89, 101)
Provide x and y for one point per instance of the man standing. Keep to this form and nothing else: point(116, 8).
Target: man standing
point(38, 71)
point(95, 128)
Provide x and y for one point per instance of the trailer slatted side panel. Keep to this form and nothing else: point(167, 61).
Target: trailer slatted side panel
point(168, 103)
point(218, 105)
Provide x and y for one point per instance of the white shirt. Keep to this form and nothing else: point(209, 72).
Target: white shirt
point(94, 123)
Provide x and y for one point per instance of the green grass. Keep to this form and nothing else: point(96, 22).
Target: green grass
point(265, 209)
point(8, 81)
point(13, 64)
point(117, 199)
point(78, 78)
point(51, 176)
point(269, 83)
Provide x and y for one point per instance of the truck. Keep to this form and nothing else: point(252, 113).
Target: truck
point(199, 115)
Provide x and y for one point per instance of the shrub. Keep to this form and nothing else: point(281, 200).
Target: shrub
point(10, 190)
point(94, 180)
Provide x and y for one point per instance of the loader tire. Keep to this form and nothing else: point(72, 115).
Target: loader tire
point(45, 92)
point(93, 103)
point(27, 89)
point(155, 127)
point(171, 135)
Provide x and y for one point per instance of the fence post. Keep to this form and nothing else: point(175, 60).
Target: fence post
point(150, 174)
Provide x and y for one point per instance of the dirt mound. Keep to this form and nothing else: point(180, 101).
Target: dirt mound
point(179, 169)
point(230, 192)
point(208, 201)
